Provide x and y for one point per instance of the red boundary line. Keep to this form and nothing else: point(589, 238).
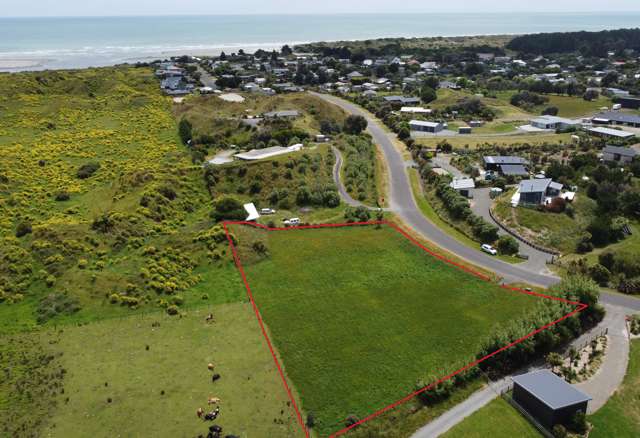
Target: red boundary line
point(580, 307)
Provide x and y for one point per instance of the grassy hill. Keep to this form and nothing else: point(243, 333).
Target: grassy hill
point(216, 117)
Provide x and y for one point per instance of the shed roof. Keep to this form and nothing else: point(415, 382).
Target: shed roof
point(618, 116)
point(506, 159)
point(513, 169)
point(550, 389)
point(625, 152)
point(423, 123)
point(462, 184)
point(612, 132)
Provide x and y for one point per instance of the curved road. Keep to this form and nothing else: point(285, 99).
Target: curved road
point(402, 202)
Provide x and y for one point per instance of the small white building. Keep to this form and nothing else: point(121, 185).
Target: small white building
point(261, 154)
point(463, 186)
point(415, 110)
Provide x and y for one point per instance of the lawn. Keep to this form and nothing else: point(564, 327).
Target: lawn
point(620, 416)
point(552, 230)
point(153, 368)
point(360, 314)
point(498, 419)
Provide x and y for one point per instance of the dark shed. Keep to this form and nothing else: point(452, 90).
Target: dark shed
point(548, 398)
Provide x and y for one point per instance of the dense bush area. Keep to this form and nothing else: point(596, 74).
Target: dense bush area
point(303, 179)
point(359, 168)
point(573, 288)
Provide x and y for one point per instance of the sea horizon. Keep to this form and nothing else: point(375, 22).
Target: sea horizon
point(38, 43)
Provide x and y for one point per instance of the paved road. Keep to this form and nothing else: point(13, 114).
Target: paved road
point(346, 197)
point(206, 79)
point(614, 366)
point(401, 202)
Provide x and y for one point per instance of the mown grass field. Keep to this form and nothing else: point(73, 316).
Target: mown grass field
point(147, 375)
point(620, 416)
point(359, 314)
point(498, 419)
point(474, 141)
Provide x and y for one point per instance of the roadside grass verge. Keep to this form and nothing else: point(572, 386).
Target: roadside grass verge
point(620, 416)
point(360, 314)
point(147, 375)
point(498, 419)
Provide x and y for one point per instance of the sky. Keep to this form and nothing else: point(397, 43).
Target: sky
point(27, 8)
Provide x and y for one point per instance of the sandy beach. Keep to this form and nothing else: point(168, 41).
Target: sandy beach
point(17, 64)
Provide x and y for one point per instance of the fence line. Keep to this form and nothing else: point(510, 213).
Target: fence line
point(522, 239)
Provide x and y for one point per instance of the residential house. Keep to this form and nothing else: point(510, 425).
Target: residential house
point(618, 154)
point(616, 118)
point(554, 122)
point(286, 114)
point(536, 191)
point(611, 133)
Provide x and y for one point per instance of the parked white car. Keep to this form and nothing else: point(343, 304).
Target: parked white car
point(489, 249)
point(266, 211)
point(292, 221)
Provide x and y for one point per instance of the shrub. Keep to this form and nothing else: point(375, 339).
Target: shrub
point(172, 309)
point(55, 304)
point(508, 245)
point(311, 420)
point(600, 274)
point(23, 229)
point(228, 208)
point(185, 131)
point(358, 214)
point(557, 205)
point(87, 170)
point(559, 431)
point(62, 196)
point(579, 423)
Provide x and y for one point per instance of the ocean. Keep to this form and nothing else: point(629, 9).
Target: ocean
point(54, 43)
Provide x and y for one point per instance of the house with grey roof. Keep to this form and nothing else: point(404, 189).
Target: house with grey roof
point(549, 399)
point(536, 191)
point(506, 165)
point(616, 118)
point(554, 122)
point(618, 154)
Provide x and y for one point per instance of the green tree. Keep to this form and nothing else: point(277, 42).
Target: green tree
point(508, 245)
point(428, 94)
point(185, 130)
point(355, 125)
